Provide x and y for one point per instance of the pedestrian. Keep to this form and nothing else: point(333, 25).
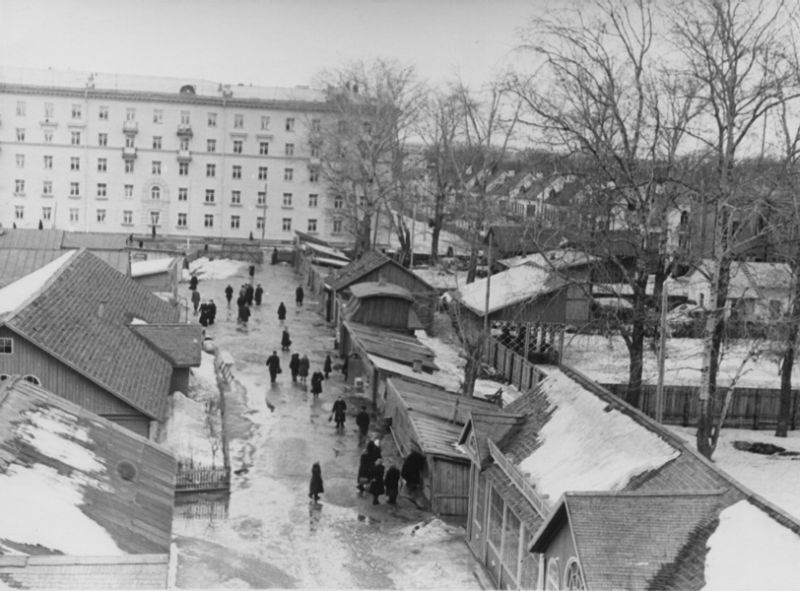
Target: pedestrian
point(203, 314)
point(258, 294)
point(294, 365)
point(274, 366)
point(299, 295)
point(281, 312)
point(315, 487)
point(212, 311)
point(345, 367)
point(286, 340)
point(244, 314)
point(376, 487)
point(304, 367)
point(373, 451)
point(193, 282)
point(229, 294)
point(195, 300)
point(252, 267)
point(274, 258)
point(392, 483)
point(328, 367)
point(338, 412)
point(243, 292)
point(316, 383)
point(365, 464)
point(362, 420)
point(249, 292)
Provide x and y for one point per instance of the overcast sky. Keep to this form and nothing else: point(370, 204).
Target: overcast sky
point(262, 42)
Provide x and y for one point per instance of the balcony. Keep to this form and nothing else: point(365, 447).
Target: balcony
point(185, 130)
point(130, 127)
point(129, 153)
point(184, 156)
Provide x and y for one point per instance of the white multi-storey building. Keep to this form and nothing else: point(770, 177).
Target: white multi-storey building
point(127, 154)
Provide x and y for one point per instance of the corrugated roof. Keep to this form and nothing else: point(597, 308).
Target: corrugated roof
point(392, 345)
point(81, 317)
point(180, 343)
point(24, 238)
point(94, 241)
point(18, 262)
point(372, 289)
point(136, 513)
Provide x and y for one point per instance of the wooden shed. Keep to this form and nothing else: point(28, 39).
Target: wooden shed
point(429, 421)
point(383, 305)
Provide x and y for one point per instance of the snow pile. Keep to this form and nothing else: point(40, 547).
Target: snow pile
point(215, 269)
point(432, 531)
point(749, 550)
point(587, 446)
point(13, 295)
point(188, 434)
point(150, 266)
point(508, 287)
point(204, 377)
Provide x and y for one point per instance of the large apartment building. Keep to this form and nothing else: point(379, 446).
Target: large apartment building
point(130, 154)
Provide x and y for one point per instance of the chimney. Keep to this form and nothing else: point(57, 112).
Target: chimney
point(101, 309)
point(417, 366)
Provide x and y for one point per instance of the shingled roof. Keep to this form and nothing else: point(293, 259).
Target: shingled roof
point(81, 317)
point(371, 260)
point(179, 343)
point(18, 262)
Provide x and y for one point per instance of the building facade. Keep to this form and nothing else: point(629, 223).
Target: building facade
point(135, 155)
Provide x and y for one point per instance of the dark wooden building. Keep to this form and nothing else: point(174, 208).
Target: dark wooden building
point(381, 304)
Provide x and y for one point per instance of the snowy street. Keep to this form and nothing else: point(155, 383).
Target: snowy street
point(272, 536)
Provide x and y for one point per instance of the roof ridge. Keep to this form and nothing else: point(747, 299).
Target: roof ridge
point(73, 254)
point(646, 493)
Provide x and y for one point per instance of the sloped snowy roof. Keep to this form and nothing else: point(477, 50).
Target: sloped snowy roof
point(515, 285)
point(561, 258)
point(16, 294)
point(747, 278)
point(151, 266)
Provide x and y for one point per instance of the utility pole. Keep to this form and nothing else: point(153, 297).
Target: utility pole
point(413, 220)
point(662, 348)
point(488, 292)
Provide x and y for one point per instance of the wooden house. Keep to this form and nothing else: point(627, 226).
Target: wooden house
point(69, 326)
point(428, 421)
point(383, 305)
point(86, 503)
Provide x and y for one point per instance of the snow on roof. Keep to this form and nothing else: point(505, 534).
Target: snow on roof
point(440, 379)
point(746, 278)
point(745, 531)
point(329, 251)
point(509, 287)
point(440, 278)
point(588, 446)
point(559, 258)
point(216, 268)
point(151, 266)
point(15, 294)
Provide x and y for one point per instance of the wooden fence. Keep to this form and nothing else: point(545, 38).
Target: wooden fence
point(195, 479)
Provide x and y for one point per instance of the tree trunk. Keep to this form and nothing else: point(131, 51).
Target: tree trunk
point(472, 268)
point(438, 215)
point(785, 399)
point(636, 352)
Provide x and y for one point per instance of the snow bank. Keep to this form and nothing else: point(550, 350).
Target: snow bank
point(750, 550)
point(215, 269)
point(431, 531)
point(187, 432)
point(13, 295)
point(41, 497)
point(586, 446)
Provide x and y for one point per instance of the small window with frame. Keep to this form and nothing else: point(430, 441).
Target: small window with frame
point(6, 346)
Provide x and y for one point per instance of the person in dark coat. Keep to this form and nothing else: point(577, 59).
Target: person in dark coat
point(203, 314)
point(195, 300)
point(229, 294)
point(298, 295)
point(193, 282)
point(364, 471)
point(338, 412)
point(412, 469)
point(294, 365)
point(316, 383)
point(244, 313)
point(281, 312)
point(373, 451)
point(286, 340)
point(305, 364)
point(249, 292)
point(376, 487)
point(345, 367)
point(274, 258)
point(211, 310)
point(258, 294)
point(328, 367)
point(362, 420)
point(315, 487)
point(392, 484)
point(274, 366)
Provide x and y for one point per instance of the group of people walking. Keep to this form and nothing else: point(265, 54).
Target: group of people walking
point(374, 478)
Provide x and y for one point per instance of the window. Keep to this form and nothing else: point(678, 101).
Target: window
point(127, 217)
point(312, 225)
point(237, 146)
point(102, 114)
point(212, 119)
point(155, 192)
point(313, 200)
point(211, 145)
point(130, 141)
point(183, 194)
point(75, 138)
point(101, 189)
point(48, 162)
point(155, 218)
point(130, 114)
point(156, 142)
point(156, 167)
point(47, 187)
point(76, 111)
point(19, 187)
point(313, 176)
point(101, 216)
point(237, 172)
point(338, 202)
point(102, 164)
point(287, 199)
point(184, 145)
point(48, 137)
point(209, 195)
point(316, 125)
point(775, 309)
point(185, 117)
point(263, 148)
point(181, 220)
point(234, 222)
point(211, 170)
point(262, 173)
point(286, 224)
point(6, 346)
point(48, 110)
point(129, 166)
point(366, 127)
point(158, 115)
point(128, 191)
point(264, 121)
point(262, 198)
point(288, 150)
point(341, 126)
point(20, 108)
point(74, 214)
point(102, 139)
point(19, 212)
point(573, 579)
point(511, 530)
point(238, 121)
point(20, 159)
point(337, 226)
point(21, 134)
point(259, 223)
point(288, 174)
point(47, 214)
point(208, 221)
point(74, 189)
point(236, 197)
point(290, 124)
point(315, 151)
point(183, 168)
point(74, 163)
